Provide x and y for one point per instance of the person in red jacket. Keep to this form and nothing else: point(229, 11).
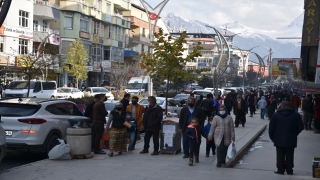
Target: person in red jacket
point(316, 114)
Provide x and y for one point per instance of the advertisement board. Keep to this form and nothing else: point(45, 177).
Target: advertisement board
point(275, 68)
point(106, 66)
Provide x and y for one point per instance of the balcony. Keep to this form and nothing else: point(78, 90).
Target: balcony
point(40, 33)
point(80, 6)
point(123, 5)
point(118, 19)
point(46, 10)
point(130, 54)
point(139, 39)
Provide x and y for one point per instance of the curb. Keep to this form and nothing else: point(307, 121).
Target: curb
point(244, 149)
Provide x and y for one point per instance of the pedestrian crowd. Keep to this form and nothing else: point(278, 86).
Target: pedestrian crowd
point(128, 120)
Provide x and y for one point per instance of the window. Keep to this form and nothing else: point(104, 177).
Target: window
point(45, 26)
point(35, 25)
point(84, 23)
point(68, 20)
point(108, 8)
point(57, 109)
point(110, 31)
point(1, 44)
point(118, 33)
point(23, 18)
point(107, 53)
point(96, 53)
point(35, 50)
point(73, 110)
point(49, 86)
point(23, 46)
point(18, 110)
point(143, 32)
point(142, 48)
point(37, 87)
point(95, 27)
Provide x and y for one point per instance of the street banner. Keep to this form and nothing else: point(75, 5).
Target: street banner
point(275, 68)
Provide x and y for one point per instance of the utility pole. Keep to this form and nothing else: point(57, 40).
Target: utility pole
point(270, 65)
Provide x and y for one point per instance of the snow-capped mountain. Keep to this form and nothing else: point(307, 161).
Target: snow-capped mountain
point(249, 37)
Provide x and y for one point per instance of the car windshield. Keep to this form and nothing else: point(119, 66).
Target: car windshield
point(21, 85)
point(203, 93)
point(145, 101)
point(15, 110)
point(136, 86)
point(109, 106)
point(95, 90)
point(64, 90)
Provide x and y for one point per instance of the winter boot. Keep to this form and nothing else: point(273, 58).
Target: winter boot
point(196, 159)
point(190, 161)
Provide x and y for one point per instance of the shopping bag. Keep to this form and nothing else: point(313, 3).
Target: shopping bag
point(60, 151)
point(104, 143)
point(231, 151)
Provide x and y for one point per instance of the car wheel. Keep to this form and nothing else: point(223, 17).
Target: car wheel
point(52, 142)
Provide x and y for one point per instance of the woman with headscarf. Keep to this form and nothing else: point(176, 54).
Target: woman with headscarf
point(223, 134)
point(117, 131)
point(271, 106)
point(228, 102)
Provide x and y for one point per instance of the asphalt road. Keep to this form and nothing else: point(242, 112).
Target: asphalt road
point(16, 158)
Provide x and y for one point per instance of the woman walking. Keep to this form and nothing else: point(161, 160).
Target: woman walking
point(228, 102)
point(222, 132)
point(118, 131)
point(271, 107)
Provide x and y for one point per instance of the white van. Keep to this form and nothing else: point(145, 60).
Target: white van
point(137, 85)
point(38, 89)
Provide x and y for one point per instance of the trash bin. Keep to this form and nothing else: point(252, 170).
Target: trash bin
point(170, 137)
point(79, 138)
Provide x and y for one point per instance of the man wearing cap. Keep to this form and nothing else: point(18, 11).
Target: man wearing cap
point(284, 128)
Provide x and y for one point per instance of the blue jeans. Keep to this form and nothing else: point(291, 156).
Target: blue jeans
point(263, 111)
point(131, 136)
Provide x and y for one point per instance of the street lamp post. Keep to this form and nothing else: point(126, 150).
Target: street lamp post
point(243, 61)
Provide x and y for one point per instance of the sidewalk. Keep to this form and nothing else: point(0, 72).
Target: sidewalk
point(135, 166)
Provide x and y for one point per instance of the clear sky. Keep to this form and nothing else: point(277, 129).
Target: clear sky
point(258, 14)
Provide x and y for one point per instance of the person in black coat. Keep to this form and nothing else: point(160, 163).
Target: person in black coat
point(284, 128)
point(207, 106)
point(152, 119)
point(194, 132)
point(125, 101)
point(240, 110)
point(308, 108)
point(186, 114)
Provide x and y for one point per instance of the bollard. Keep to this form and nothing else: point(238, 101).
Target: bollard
point(80, 141)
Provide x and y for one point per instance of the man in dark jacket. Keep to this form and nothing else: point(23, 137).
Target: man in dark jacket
point(207, 106)
point(240, 110)
point(252, 101)
point(152, 123)
point(233, 95)
point(88, 113)
point(186, 114)
point(125, 101)
point(99, 114)
point(284, 128)
point(308, 108)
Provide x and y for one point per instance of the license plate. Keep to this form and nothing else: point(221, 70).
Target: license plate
point(8, 133)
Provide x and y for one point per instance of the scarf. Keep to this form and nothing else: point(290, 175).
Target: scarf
point(190, 126)
point(225, 114)
point(271, 100)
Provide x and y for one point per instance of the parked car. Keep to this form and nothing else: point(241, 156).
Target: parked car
point(38, 89)
point(161, 101)
point(91, 91)
point(110, 105)
point(202, 92)
point(3, 144)
point(34, 124)
point(68, 92)
point(180, 97)
point(190, 89)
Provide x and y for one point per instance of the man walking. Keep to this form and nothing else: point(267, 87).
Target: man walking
point(136, 111)
point(284, 128)
point(295, 101)
point(252, 100)
point(239, 110)
point(152, 123)
point(99, 119)
point(186, 114)
point(125, 101)
point(207, 106)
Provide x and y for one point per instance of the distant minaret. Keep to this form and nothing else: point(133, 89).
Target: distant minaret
point(225, 30)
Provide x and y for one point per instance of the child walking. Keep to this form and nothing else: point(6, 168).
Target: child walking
point(262, 103)
point(210, 144)
point(131, 130)
point(194, 132)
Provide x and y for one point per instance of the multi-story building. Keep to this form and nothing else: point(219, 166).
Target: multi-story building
point(102, 29)
point(243, 60)
point(255, 67)
point(16, 36)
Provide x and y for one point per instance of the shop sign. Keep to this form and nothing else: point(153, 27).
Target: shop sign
point(84, 35)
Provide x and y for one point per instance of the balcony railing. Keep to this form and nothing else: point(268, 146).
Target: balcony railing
point(46, 3)
point(39, 28)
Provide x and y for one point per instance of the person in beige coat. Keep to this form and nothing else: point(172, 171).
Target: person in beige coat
point(222, 132)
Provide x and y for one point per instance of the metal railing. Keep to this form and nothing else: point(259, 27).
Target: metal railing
point(46, 3)
point(39, 28)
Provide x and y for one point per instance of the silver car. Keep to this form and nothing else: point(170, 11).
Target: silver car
point(161, 101)
point(3, 145)
point(33, 124)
